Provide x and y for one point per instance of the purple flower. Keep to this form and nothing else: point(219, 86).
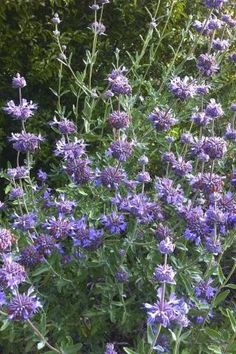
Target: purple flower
point(121, 150)
point(170, 139)
point(207, 182)
point(18, 81)
point(197, 146)
point(114, 223)
point(233, 178)
point(110, 349)
point(212, 245)
point(230, 133)
point(233, 107)
point(65, 126)
point(204, 290)
point(6, 239)
point(131, 184)
point(207, 65)
point(202, 27)
point(162, 120)
point(121, 86)
point(79, 170)
point(214, 4)
point(196, 226)
point(60, 227)
point(167, 312)
point(11, 273)
point(15, 193)
point(229, 20)
point(98, 28)
point(232, 57)
point(112, 177)
point(122, 276)
point(182, 88)
point(23, 306)
point(22, 112)
point(26, 142)
point(180, 167)
point(121, 252)
point(108, 94)
point(190, 235)
point(166, 246)
point(84, 236)
point(71, 150)
point(163, 232)
point(30, 256)
point(201, 119)
point(214, 215)
point(167, 192)
point(213, 109)
point(164, 274)
point(119, 83)
point(143, 160)
point(159, 314)
point(140, 206)
point(214, 23)
point(143, 177)
point(63, 205)
point(42, 176)
point(3, 299)
point(220, 44)
point(168, 157)
point(186, 138)
point(25, 222)
point(18, 172)
point(119, 120)
point(207, 26)
point(45, 244)
point(203, 89)
point(214, 147)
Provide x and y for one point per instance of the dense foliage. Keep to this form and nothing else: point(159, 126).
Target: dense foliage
point(118, 219)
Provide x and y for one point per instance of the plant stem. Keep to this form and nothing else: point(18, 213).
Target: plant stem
point(155, 338)
point(160, 39)
point(40, 335)
point(93, 55)
point(177, 343)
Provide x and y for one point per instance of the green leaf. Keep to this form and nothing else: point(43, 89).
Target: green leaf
point(215, 349)
point(221, 297)
point(231, 286)
point(221, 274)
point(4, 325)
point(80, 191)
point(129, 351)
point(41, 270)
point(173, 335)
point(71, 349)
point(212, 333)
point(232, 319)
point(150, 334)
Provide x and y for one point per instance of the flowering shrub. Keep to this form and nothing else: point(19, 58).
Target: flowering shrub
point(121, 247)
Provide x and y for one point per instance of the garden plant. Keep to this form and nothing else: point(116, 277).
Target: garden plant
point(126, 243)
